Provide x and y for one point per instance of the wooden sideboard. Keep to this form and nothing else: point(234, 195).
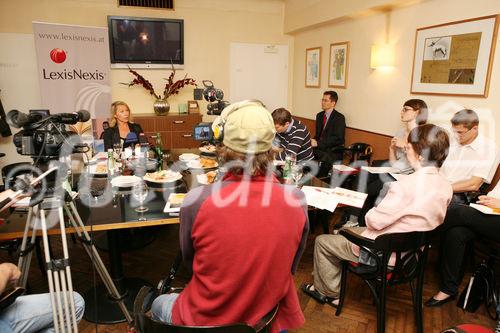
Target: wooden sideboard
point(176, 130)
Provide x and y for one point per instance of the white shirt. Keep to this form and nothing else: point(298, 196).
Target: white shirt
point(495, 192)
point(478, 158)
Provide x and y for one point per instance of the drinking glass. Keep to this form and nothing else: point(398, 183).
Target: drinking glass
point(117, 148)
point(140, 192)
point(296, 174)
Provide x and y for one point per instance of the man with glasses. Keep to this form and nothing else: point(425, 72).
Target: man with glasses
point(330, 133)
point(472, 159)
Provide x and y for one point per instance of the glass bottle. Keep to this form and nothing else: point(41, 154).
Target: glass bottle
point(159, 153)
point(111, 163)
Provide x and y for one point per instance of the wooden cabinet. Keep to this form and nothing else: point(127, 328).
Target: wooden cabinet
point(176, 130)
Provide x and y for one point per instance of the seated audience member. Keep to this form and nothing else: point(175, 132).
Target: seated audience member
point(416, 202)
point(413, 113)
point(472, 159)
point(293, 136)
point(330, 133)
point(462, 225)
point(241, 252)
point(30, 313)
point(120, 126)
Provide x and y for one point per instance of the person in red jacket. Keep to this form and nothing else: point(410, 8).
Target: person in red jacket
point(243, 236)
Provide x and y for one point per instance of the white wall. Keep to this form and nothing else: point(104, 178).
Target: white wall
point(373, 99)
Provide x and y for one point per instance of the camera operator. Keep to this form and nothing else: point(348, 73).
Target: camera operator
point(30, 313)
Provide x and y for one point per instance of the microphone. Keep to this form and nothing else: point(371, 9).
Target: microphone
point(130, 140)
point(72, 118)
point(19, 119)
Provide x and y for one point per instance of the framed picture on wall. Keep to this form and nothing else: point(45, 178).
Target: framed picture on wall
point(313, 67)
point(339, 65)
point(455, 58)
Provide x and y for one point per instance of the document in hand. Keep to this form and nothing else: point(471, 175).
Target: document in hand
point(486, 210)
point(327, 198)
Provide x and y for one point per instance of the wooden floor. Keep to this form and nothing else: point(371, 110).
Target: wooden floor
point(153, 263)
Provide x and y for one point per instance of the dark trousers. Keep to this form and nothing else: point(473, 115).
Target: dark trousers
point(462, 225)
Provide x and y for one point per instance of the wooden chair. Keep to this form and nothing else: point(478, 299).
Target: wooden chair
point(411, 255)
point(144, 324)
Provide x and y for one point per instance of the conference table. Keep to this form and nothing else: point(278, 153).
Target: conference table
point(114, 211)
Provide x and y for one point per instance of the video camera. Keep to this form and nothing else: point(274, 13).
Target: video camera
point(43, 135)
point(215, 98)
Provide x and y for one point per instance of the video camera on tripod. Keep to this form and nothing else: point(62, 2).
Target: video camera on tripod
point(43, 134)
point(215, 98)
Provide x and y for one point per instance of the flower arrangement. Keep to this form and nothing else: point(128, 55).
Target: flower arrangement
point(171, 87)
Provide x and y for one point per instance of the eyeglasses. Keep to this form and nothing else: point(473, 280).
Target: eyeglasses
point(462, 133)
point(407, 108)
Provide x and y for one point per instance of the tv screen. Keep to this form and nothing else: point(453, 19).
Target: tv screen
point(145, 42)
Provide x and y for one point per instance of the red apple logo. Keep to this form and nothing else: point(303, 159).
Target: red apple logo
point(58, 55)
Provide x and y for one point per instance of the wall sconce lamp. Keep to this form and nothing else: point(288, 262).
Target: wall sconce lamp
point(383, 56)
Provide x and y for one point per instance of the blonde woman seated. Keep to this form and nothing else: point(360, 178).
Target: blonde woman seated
point(121, 127)
point(416, 202)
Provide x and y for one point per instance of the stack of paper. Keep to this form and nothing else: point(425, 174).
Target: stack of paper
point(174, 203)
point(485, 209)
point(327, 198)
point(381, 169)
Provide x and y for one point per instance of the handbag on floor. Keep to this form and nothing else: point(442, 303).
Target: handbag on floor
point(480, 289)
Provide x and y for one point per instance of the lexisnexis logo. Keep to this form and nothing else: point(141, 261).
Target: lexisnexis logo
point(58, 56)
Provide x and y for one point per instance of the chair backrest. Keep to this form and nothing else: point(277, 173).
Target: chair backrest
point(263, 326)
point(401, 242)
point(360, 151)
point(410, 250)
point(145, 324)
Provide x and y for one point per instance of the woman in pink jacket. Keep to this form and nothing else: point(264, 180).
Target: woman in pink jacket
point(415, 202)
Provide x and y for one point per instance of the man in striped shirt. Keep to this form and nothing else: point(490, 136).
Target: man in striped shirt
point(293, 136)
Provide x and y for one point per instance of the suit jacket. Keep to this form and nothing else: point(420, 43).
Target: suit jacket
point(112, 134)
point(334, 135)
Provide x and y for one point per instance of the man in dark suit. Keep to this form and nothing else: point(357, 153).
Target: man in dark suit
point(330, 133)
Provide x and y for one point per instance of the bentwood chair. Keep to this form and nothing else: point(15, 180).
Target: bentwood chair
point(144, 324)
point(410, 250)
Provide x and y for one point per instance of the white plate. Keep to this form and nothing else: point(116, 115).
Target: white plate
point(203, 179)
point(197, 165)
point(188, 157)
point(170, 176)
point(125, 181)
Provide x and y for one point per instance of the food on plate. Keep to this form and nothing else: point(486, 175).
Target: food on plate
point(208, 163)
point(101, 168)
point(208, 148)
point(163, 176)
point(211, 176)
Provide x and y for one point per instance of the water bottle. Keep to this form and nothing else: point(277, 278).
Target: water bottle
point(111, 163)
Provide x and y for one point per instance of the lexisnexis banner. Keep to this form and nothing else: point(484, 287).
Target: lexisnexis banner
point(73, 68)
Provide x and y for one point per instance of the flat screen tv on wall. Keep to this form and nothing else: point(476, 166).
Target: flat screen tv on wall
point(145, 42)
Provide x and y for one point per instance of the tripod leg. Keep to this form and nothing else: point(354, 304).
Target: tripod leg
point(67, 277)
point(49, 271)
point(26, 250)
point(77, 223)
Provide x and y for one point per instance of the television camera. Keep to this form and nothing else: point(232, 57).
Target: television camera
point(215, 98)
point(43, 135)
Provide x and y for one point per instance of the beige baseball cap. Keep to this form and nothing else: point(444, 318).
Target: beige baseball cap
point(248, 127)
